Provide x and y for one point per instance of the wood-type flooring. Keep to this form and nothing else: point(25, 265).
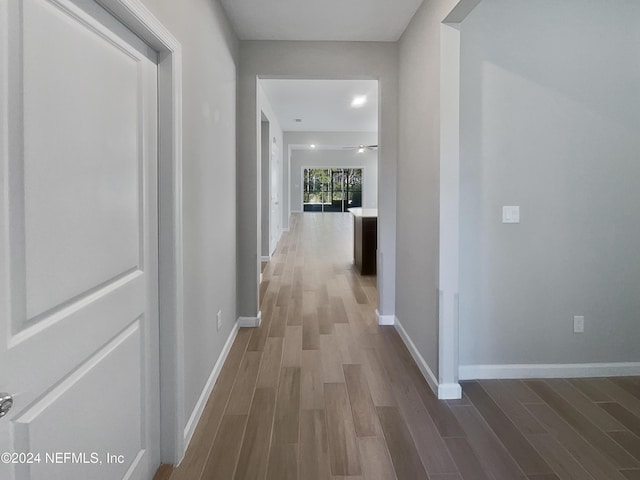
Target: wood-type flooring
point(320, 391)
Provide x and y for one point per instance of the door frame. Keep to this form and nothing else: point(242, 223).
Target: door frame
point(137, 18)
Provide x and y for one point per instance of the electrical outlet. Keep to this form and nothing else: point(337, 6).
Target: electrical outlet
point(578, 324)
point(219, 317)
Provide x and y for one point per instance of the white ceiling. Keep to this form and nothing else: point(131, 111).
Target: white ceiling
point(337, 20)
point(323, 105)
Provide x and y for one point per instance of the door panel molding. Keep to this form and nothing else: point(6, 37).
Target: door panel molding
point(138, 19)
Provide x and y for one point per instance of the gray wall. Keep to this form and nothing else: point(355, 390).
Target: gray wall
point(368, 160)
point(209, 51)
point(324, 60)
point(418, 179)
point(550, 109)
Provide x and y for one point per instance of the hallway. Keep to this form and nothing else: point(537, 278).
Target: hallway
point(320, 391)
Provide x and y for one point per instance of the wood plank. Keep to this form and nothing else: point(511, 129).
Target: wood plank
point(205, 432)
point(520, 449)
point(284, 295)
point(627, 419)
point(226, 448)
point(439, 411)
point(546, 476)
point(325, 322)
point(310, 332)
point(350, 350)
point(279, 321)
point(292, 349)
point(379, 383)
point(314, 446)
point(376, 462)
point(619, 395)
point(590, 389)
point(338, 312)
point(269, 373)
point(502, 393)
point(311, 381)
point(404, 456)
point(616, 454)
point(589, 457)
point(631, 385)
point(628, 441)
point(287, 417)
point(164, 472)
point(364, 413)
point(631, 474)
point(431, 448)
point(343, 447)
point(522, 392)
point(493, 457)
point(254, 455)
point(580, 402)
point(295, 314)
point(466, 459)
point(331, 359)
point(564, 465)
point(283, 462)
point(242, 392)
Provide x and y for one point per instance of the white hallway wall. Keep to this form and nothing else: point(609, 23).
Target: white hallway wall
point(550, 115)
point(210, 50)
point(335, 158)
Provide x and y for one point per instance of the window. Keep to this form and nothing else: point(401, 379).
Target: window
point(331, 189)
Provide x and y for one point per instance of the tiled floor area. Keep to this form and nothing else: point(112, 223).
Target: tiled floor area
point(320, 391)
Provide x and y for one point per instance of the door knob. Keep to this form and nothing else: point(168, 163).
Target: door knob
point(6, 402)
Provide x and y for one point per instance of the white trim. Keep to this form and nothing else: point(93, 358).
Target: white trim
point(427, 373)
point(449, 391)
point(137, 18)
point(385, 319)
point(568, 370)
point(449, 198)
point(250, 322)
point(208, 388)
point(265, 258)
point(285, 230)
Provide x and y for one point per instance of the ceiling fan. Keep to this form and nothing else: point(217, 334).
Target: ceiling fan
point(361, 148)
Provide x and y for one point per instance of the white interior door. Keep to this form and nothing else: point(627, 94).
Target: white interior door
point(276, 215)
point(78, 244)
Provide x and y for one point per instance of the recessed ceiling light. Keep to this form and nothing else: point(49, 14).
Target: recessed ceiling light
point(361, 150)
point(312, 145)
point(358, 101)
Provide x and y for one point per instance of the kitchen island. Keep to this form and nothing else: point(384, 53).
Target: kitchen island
point(365, 239)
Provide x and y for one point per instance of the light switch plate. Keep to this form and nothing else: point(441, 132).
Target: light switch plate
point(511, 214)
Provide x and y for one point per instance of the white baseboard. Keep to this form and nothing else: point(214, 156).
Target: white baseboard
point(285, 230)
point(569, 370)
point(449, 391)
point(250, 322)
point(265, 258)
point(431, 379)
point(208, 388)
point(385, 319)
